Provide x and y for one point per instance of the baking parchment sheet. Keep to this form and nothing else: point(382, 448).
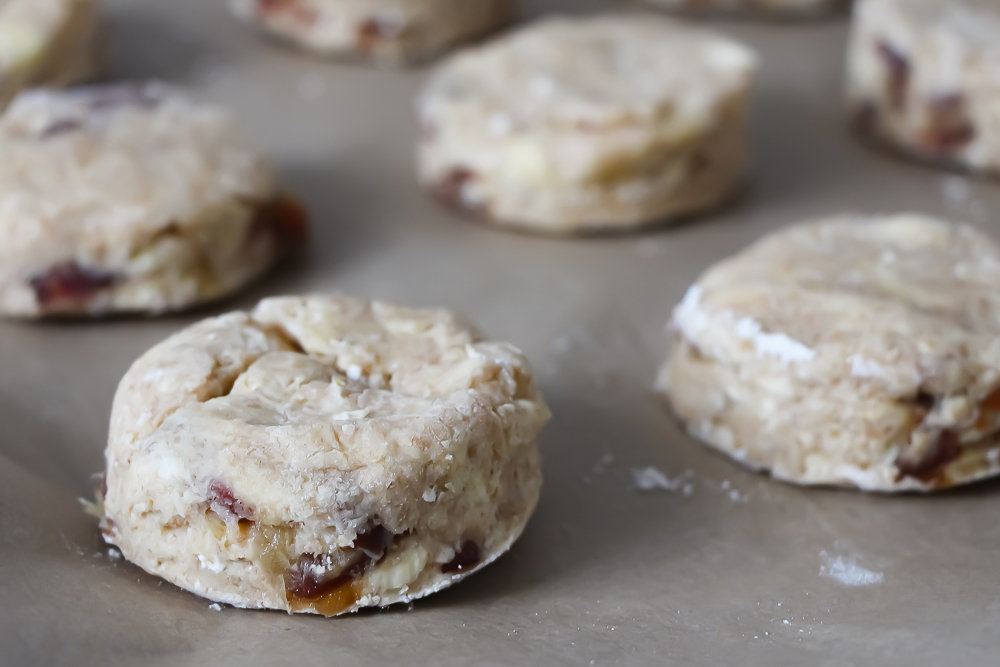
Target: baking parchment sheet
point(723, 567)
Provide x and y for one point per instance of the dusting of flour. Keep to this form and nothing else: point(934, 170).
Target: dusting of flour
point(847, 571)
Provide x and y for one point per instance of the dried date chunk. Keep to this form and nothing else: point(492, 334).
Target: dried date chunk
point(468, 556)
point(450, 190)
point(948, 124)
point(283, 217)
point(221, 496)
point(943, 448)
point(69, 283)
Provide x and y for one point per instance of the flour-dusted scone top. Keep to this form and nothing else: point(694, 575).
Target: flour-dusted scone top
point(852, 345)
point(322, 420)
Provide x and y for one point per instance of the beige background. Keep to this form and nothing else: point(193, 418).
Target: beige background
point(605, 575)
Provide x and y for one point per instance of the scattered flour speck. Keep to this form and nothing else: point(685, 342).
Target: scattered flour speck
point(847, 571)
point(215, 606)
point(651, 479)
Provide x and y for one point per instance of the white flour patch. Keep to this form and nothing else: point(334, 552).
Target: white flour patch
point(778, 345)
point(651, 479)
point(865, 368)
point(847, 571)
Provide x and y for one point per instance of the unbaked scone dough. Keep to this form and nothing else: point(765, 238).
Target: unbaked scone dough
point(766, 7)
point(924, 76)
point(385, 31)
point(130, 199)
point(322, 454)
point(855, 351)
point(584, 124)
point(46, 42)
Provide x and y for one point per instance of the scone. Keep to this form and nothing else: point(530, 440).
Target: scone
point(46, 42)
point(790, 8)
point(322, 454)
point(588, 124)
point(131, 199)
point(924, 77)
point(390, 32)
point(854, 351)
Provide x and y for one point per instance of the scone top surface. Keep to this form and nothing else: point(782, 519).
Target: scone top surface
point(594, 72)
point(330, 423)
point(886, 327)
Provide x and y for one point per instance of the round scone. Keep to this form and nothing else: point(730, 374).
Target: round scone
point(130, 199)
point(390, 32)
point(46, 42)
point(322, 454)
point(924, 77)
point(855, 351)
point(783, 8)
point(588, 124)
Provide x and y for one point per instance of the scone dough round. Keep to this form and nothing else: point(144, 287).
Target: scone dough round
point(783, 8)
point(130, 199)
point(46, 42)
point(588, 124)
point(322, 454)
point(924, 77)
point(855, 351)
point(390, 32)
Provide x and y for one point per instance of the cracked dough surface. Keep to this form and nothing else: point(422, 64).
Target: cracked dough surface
point(924, 76)
point(582, 124)
point(128, 198)
point(322, 454)
point(389, 32)
point(855, 351)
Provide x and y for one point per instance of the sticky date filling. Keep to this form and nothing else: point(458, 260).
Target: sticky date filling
point(69, 284)
point(284, 217)
point(931, 449)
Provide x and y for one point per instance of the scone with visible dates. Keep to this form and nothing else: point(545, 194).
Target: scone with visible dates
point(924, 78)
point(322, 454)
point(131, 198)
point(855, 351)
point(588, 124)
point(389, 32)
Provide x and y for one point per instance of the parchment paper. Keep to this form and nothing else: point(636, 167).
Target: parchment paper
point(740, 571)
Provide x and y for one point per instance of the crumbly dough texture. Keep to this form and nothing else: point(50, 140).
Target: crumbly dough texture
point(588, 124)
point(46, 42)
point(771, 7)
point(127, 198)
point(855, 351)
point(924, 77)
point(322, 454)
point(390, 32)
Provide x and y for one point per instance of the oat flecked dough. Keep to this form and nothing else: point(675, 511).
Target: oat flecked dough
point(855, 351)
point(924, 77)
point(322, 454)
point(47, 42)
point(130, 198)
point(386, 32)
point(588, 124)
